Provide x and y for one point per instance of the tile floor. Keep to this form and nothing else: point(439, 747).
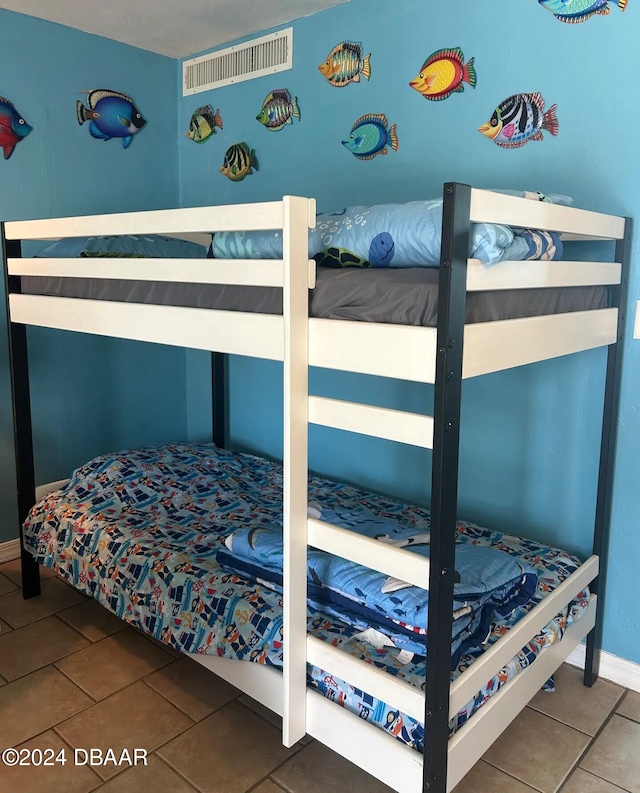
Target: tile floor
point(72, 675)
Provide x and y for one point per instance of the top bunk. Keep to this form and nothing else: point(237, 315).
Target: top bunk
point(390, 348)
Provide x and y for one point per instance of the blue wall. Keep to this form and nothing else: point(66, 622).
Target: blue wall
point(89, 394)
point(530, 436)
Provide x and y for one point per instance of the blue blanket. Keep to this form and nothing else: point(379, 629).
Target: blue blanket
point(393, 235)
point(489, 583)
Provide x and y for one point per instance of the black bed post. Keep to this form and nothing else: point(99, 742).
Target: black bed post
point(607, 454)
point(452, 297)
point(219, 398)
point(21, 408)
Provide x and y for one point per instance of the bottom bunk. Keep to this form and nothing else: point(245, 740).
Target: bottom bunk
point(146, 533)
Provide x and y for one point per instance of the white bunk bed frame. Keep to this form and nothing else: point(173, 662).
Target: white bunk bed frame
point(425, 355)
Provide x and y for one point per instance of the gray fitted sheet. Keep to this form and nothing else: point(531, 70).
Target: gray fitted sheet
point(402, 296)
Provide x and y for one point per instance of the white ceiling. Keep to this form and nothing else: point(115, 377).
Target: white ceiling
point(170, 27)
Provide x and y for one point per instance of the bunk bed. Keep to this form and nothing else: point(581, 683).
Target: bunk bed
point(444, 355)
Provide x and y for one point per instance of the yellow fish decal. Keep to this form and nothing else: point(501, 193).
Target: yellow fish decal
point(443, 73)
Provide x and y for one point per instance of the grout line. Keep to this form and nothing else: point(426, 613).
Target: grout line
point(278, 785)
point(586, 750)
point(84, 636)
point(175, 704)
point(175, 770)
point(506, 773)
point(77, 685)
point(573, 727)
point(97, 776)
point(277, 768)
point(73, 628)
point(602, 779)
point(45, 616)
point(166, 698)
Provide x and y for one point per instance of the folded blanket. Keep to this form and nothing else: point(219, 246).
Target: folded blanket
point(389, 235)
point(489, 583)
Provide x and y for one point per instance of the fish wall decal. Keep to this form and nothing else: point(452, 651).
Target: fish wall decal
point(239, 162)
point(575, 11)
point(110, 115)
point(278, 110)
point(203, 124)
point(519, 119)
point(370, 136)
point(444, 73)
point(13, 127)
point(345, 64)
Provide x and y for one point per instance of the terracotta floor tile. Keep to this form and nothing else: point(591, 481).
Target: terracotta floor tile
point(92, 620)
point(582, 782)
point(584, 709)
point(192, 688)
point(316, 769)
point(4, 628)
point(36, 645)
point(630, 706)
point(55, 778)
point(614, 755)
point(103, 668)
point(538, 750)
point(155, 777)
point(135, 718)
point(484, 778)
point(56, 595)
point(6, 585)
point(13, 570)
point(37, 702)
point(227, 752)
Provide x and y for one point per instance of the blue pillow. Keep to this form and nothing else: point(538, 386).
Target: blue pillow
point(384, 235)
point(148, 246)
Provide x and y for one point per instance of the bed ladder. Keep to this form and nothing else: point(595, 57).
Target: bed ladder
point(301, 410)
point(403, 427)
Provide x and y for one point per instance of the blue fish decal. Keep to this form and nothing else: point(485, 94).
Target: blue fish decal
point(381, 250)
point(13, 128)
point(111, 115)
point(574, 11)
point(370, 136)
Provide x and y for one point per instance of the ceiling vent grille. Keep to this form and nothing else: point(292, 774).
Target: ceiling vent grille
point(256, 58)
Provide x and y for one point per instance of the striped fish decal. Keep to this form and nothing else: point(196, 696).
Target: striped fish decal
point(345, 64)
point(278, 110)
point(519, 119)
point(238, 162)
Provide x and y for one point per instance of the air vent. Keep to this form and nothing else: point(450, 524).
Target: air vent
point(256, 58)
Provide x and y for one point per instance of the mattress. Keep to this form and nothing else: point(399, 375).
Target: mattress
point(139, 531)
point(399, 296)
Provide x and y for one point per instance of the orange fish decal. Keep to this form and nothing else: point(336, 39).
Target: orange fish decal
point(345, 64)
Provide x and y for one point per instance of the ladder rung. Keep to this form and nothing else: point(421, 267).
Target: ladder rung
point(393, 425)
point(376, 682)
point(381, 556)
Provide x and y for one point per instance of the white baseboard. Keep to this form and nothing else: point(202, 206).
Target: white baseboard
point(9, 550)
point(49, 487)
point(617, 670)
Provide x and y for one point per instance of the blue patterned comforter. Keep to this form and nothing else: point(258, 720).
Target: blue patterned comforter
point(139, 531)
